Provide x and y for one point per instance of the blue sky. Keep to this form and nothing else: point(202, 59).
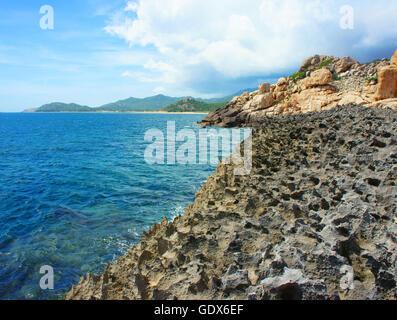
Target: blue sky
point(101, 51)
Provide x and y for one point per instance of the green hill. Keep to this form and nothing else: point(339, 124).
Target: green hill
point(192, 105)
point(155, 103)
point(134, 104)
point(63, 107)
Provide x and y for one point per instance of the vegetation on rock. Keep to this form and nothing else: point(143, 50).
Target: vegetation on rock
point(192, 105)
point(63, 107)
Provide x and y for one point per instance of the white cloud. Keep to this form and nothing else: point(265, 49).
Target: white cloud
point(127, 74)
point(225, 40)
point(131, 6)
point(159, 90)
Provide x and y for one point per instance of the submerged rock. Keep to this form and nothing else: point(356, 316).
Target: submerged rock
point(315, 219)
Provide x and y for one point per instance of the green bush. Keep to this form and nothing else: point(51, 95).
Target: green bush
point(298, 75)
point(191, 105)
point(325, 63)
point(372, 79)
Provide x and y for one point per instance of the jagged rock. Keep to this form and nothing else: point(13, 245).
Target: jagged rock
point(344, 64)
point(264, 88)
point(260, 101)
point(292, 285)
point(319, 77)
point(282, 81)
point(353, 97)
point(295, 96)
point(281, 86)
point(235, 280)
point(308, 62)
point(314, 219)
point(387, 103)
point(315, 99)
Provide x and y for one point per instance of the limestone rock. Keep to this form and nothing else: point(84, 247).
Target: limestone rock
point(264, 88)
point(292, 285)
point(318, 90)
point(235, 279)
point(387, 87)
point(344, 64)
point(319, 77)
point(262, 101)
point(282, 81)
point(353, 97)
point(314, 219)
point(315, 99)
point(387, 103)
point(313, 60)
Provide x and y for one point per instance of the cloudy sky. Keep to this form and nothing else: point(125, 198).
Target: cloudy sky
point(105, 50)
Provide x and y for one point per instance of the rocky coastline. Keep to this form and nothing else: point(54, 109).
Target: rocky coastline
point(321, 83)
point(318, 207)
point(316, 217)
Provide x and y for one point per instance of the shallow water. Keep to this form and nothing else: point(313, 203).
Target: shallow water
point(76, 193)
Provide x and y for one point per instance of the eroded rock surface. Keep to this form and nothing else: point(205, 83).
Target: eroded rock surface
point(315, 219)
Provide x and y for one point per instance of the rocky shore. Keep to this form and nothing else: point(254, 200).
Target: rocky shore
point(315, 219)
point(321, 83)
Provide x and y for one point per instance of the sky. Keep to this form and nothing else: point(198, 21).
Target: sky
point(100, 51)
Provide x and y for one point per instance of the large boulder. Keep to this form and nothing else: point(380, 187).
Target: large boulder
point(282, 82)
point(260, 101)
point(352, 97)
point(264, 88)
point(387, 77)
point(319, 77)
point(387, 87)
point(345, 64)
point(315, 99)
point(311, 61)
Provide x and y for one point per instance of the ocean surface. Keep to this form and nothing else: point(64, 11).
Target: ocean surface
point(76, 193)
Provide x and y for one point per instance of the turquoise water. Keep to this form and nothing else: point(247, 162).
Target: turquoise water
point(76, 193)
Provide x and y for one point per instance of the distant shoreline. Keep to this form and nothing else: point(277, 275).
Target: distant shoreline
point(116, 112)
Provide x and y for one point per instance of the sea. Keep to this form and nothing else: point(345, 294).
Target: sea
point(76, 191)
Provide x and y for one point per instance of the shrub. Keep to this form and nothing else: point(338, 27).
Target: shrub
point(298, 75)
point(325, 63)
point(372, 79)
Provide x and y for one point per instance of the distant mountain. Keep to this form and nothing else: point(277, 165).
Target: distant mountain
point(228, 98)
point(192, 105)
point(30, 110)
point(134, 104)
point(63, 107)
point(155, 103)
